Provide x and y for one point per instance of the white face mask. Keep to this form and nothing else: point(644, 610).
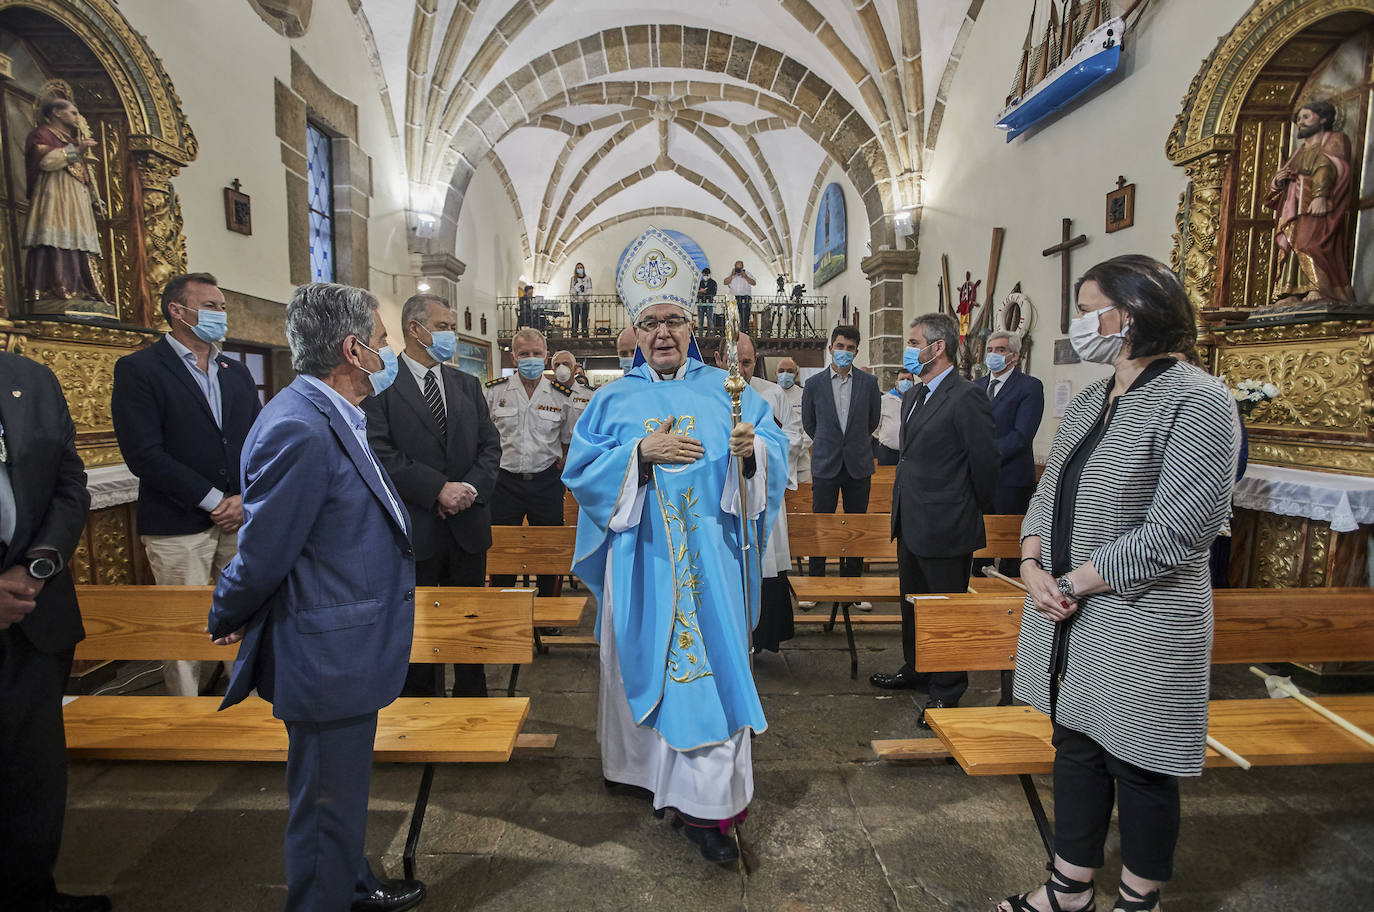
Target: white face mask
point(562, 373)
point(1090, 344)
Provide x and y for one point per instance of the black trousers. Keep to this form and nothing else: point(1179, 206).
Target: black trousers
point(452, 566)
point(776, 622)
point(33, 770)
point(885, 455)
point(328, 772)
point(538, 499)
point(1086, 779)
point(580, 310)
point(825, 497)
point(745, 303)
point(920, 576)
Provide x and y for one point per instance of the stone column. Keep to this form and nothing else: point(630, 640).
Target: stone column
point(886, 271)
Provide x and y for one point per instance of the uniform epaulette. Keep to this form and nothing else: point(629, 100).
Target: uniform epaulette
point(497, 382)
point(562, 388)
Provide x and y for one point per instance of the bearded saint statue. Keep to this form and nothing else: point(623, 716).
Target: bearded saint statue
point(1311, 196)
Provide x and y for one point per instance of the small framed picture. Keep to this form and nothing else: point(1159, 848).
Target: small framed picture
point(1121, 206)
point(238, 210)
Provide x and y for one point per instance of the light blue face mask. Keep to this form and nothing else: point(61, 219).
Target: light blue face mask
point(911, 359)
point(996, 362)
point(786, 379)
point(531, 368)
point(443, 345)
point(211, 325)
point(381, 379)
point(903, 386)
point(627, 364)
point(842, 358)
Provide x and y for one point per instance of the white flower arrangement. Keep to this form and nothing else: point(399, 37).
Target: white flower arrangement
point(1250, 393)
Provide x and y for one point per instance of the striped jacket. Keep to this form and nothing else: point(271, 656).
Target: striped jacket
point(1151, 499)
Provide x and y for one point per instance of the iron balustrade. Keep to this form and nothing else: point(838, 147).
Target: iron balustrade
point(772, 317)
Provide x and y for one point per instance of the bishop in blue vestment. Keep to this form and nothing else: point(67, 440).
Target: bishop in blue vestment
point(660, 542)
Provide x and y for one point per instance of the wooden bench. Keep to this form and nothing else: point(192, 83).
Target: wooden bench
point(1251, 626)
point(879, 492)
point(160, 623)
point(869, 536)
point(535, 550)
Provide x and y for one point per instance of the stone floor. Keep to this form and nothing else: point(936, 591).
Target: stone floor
point(830, 828)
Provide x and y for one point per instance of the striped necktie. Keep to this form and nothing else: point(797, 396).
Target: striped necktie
point(436, 403)
point(992, 388)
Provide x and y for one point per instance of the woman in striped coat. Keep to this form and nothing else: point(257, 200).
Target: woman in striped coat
point(1116, 635)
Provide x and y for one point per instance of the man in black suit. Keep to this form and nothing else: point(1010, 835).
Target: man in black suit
point(1018, 404)
point(181, 412)
point(434, 437)
point(841, 408)
point(946, 476)
point(43, 502)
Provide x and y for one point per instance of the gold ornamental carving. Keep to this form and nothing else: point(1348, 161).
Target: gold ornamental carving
point(164, 246)
point(1278, 550)
point(110, 535)
point(1196, 247)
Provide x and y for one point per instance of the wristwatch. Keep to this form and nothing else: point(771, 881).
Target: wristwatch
point(43, 568)
point(1066, 586)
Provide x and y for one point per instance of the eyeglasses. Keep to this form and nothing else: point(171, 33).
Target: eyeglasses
point(651, 324)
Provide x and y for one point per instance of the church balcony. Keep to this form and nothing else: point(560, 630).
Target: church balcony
point(776, 321)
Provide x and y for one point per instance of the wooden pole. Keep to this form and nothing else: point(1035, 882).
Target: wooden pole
point(1278, 683)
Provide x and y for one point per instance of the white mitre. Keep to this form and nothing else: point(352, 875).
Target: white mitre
point(656, 270)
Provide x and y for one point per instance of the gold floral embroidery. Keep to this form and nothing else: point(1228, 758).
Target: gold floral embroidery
point(687, 657)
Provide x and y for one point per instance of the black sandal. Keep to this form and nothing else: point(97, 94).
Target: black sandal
point(1057, 883)
point(1138, 904)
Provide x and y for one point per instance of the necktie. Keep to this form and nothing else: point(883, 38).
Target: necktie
point(922, 392)
point(992, 388)
point(436, 404)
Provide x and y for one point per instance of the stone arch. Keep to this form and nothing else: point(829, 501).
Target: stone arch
point(773, 79)
point(654, 212)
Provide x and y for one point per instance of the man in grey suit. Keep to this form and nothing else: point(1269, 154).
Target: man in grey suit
point(946, 478)
point(841, 408)
point(432, 433)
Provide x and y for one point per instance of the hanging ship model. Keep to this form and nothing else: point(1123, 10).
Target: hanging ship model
point(1081, 48)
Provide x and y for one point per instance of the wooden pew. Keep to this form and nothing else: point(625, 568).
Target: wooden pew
point(532, 550)
point(1251, 626)
point(868, 535)
point(161, 623)
point(879, 496)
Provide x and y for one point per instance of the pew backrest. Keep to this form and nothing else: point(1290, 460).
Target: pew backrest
point(531, 549)
point(868, 535)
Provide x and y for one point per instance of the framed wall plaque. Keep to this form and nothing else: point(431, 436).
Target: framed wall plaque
point(238, 209)
point(1121, 206)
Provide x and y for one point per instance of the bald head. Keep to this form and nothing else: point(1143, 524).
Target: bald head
point(626, 342)
point(746, 356)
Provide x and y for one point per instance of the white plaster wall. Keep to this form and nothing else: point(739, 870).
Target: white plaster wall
point(1064, 170)
point(852, 281)
point(489, 245)
point(226, 89)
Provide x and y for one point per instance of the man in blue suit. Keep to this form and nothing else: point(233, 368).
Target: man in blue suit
point(322, 593)
point(841, 408)
point(1018, 403)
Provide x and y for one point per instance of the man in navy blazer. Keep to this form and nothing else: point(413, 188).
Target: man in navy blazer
point(841, 408)
point(322, 593)
point(181, 411)
point(1018, 404)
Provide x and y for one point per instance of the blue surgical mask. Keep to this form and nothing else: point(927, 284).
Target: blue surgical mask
point(531, 368)
point(842, 358)
point(786, 379)
point(211, 325)
point(442, 345)
point(381, 379)
point(911, 359)
point(996, 362)
point(903, 386)
point(627, 364)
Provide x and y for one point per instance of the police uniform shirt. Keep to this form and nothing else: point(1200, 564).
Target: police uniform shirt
point(581, 395)
point(534, 430)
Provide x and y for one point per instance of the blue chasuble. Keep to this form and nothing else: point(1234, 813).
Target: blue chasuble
point(677, 579)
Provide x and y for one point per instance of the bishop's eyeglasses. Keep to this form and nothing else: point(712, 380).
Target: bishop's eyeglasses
point(674, 322)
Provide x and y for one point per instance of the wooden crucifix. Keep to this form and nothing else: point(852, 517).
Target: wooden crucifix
point(1066, 276)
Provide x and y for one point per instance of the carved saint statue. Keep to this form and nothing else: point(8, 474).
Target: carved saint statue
point(60, 236)
point(1311, 196)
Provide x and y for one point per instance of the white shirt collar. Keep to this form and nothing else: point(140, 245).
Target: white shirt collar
point(935, 381)
point(183, 352)
point(418, 369)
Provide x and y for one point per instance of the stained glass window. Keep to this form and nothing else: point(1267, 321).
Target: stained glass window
point(320, 194)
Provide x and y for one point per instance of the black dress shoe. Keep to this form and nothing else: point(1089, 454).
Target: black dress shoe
point(62, 902)
point(391, 896)
point(901, 680)
point(933, 704)
point(714, 845)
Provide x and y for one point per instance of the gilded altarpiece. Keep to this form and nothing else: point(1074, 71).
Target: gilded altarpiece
point(1234, 132)
point(142, 142)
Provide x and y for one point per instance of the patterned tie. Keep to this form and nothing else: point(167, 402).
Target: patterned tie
point(992, 388)
point(436, 404)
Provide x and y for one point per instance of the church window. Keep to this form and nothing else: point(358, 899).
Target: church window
point(320, 191)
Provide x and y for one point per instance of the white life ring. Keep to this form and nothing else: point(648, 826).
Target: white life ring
point(1023, 305)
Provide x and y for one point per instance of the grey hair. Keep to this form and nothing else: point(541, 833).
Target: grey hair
point(938, 327)
point(416, 308)
point(1013, 340)
point(530, 334)
point(318, 319)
